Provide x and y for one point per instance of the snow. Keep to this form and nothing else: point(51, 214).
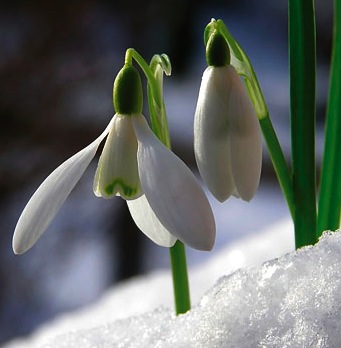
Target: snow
point(291, 301)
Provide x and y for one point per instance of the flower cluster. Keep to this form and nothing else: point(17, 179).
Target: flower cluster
point(163, 196)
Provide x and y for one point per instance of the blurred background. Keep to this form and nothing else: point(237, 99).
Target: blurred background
point(58, 61)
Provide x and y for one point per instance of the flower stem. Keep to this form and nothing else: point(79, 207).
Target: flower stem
point(159, 126)
point(180, 278)
point(279, 163)
point(177, 252)
point(302, 60)
point(330, 189)
point(131, 53)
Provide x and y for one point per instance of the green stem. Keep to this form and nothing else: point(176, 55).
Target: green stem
point(302, 60)
point(274, 148)
point(279, 163)
point(157, 109)
point(180, 278)
point(131, 53)
point(330, 189)
point(160, 128)
point(177, 252)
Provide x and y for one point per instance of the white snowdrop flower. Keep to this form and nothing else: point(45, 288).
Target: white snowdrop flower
point(164, 198)
point(227, 138)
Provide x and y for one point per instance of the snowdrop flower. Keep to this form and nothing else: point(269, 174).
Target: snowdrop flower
point(163, 196)
point(227, 139)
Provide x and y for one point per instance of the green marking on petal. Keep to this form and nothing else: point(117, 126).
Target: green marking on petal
point(124, 190)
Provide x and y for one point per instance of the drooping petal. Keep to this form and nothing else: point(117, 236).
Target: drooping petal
point(148, 223)
point(211, 128)
point(245, 140)
point(117, 172)
point(51, 194)
point(172, 191)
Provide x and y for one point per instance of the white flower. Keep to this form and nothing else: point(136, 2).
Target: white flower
point(227, 139)
point(164, 198)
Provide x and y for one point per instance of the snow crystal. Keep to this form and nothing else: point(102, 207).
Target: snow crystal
point(293, 301)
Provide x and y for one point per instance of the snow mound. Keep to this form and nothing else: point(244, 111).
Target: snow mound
point(293, 301)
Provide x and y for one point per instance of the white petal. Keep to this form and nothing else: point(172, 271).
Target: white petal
point(245, 140)
point(117, 172)
point(172, 191)
point(51, 194)
point(211, 128)
point(148, 223)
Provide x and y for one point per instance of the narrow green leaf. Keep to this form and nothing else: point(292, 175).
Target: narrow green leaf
point(330, 189)
point(302, 60)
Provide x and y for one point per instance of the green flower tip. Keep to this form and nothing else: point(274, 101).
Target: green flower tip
point(217, 50)
point(127, 91)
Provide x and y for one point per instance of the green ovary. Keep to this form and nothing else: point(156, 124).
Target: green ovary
point(128, 191)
